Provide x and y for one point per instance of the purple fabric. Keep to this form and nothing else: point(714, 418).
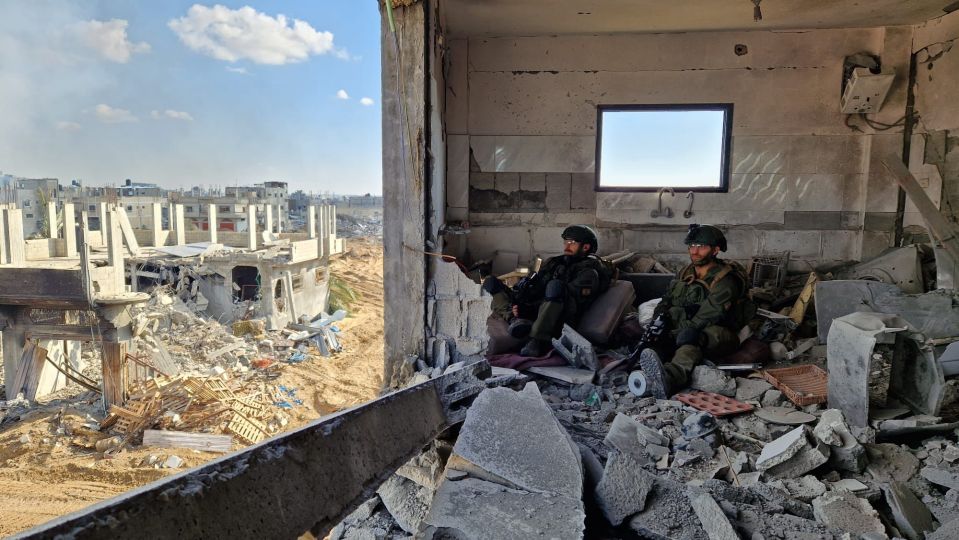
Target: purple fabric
point(518, 362)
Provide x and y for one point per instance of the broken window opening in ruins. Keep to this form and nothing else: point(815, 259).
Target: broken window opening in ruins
point(297, 283)
point(246, 283)
point(278, 295)
point(653, 147)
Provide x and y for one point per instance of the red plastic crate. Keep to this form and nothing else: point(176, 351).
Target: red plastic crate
point(714, 404)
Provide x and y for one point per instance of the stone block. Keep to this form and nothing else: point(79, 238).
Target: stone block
point(812, 220)
point(506, 182)
point(713, 380)
point(800, 244)
point(912, 517)
point(751, 389)
point(532, 181)
point(406, 501)
point(481, 180)
point(477, 311)
point(470, 346)
point(514, 436)
point(712, 517)
point(583, 191)
point(623, 489)
point(449, 317)
point(473, 508)
point(558, 192)
point(844, 511)
point(547, 241)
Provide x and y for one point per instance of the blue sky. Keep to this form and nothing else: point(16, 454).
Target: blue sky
point(186, 93)
point(661, 148)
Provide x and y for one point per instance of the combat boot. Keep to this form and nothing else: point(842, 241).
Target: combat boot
point(657, 380)
point(535, 348)
point(520, 328)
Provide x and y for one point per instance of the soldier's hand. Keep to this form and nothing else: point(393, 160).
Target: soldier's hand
point(515, 310)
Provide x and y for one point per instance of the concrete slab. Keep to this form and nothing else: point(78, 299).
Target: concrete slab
point(472, 508)
point(845, 511)
point(781, 449)
point(569, 375)
point(750, 389)
point(515, 436)
point(406, 501)
point(667, 514)
point(791, 455)
point(624, 487)
point(784, 415)
point(848, 484)
point(912, 517)
point(630, 437)
point(714, 521)
point(941, 477)
point(713, 380)
point(890, 463)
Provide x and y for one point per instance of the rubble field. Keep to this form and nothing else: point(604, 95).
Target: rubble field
point(236, 384)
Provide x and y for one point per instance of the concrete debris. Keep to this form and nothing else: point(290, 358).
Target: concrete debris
point(406, 501)
point(891, 463)
point(848, 484)
point(941, 477)
point(784, 415)
point(576, 349)
point(667, 514)
point(912, 517)
point(712, 518)
point(805, 488)
point(632, 438)
point(792, 455)
point(846, 452)
point(948, 531)
point(751, 389)
point(426, 469)
point(847, 512)
point(713, 380)
point(624, 487)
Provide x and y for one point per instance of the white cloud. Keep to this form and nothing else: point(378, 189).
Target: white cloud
point(240, 70)
point(366, 101)
point(110, 115)
point(178, 115)
point(341, 94)
point(109, 38)
point(68, 126)
point(236, 34)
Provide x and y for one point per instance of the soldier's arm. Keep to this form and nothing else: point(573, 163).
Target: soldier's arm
point(584, 284)
point(714, 308)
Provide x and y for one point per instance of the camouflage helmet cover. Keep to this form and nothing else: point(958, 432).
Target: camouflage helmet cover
point(707, 235)
point(583, 235)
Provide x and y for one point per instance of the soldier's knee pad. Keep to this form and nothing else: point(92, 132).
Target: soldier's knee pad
point(492, 285)
point(689, 336)
point(555, 291)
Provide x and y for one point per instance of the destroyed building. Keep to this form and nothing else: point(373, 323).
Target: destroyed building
point(491, 122)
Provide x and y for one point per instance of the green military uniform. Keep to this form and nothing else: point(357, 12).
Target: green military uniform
point(583, 279)
point(716, 306)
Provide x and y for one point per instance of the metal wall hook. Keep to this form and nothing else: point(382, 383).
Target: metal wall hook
point(660, 209)
point(689, 211)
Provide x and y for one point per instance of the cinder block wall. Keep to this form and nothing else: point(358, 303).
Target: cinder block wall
point(521, 124)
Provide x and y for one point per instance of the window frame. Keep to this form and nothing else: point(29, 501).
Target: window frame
point(724, 171)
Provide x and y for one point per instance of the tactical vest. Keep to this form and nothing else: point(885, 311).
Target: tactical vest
point(742, 309)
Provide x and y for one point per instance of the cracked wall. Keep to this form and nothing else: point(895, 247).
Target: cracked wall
point(521, 114)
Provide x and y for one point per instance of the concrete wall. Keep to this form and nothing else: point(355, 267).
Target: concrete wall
point(935, 153)
point(521, 125)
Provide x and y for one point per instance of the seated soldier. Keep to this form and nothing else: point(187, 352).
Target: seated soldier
point(559, 293)
point(706, 306)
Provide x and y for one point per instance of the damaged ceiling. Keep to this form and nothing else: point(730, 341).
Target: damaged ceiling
point(538, 17)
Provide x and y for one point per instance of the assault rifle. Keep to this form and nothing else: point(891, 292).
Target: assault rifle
point(652, 334)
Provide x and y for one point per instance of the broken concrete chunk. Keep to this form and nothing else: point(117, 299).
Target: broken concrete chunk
point(771, 398)
point(941, 477)
point(784, 415)
point(622, 491)
point(845, 511)
point(713, 380)
point(782, 449)
point(750, 389)
point(889, 462)
point(426, 469)
point(791, 455)
point(848, 484)
point(805, 488)
point(406, 501)
point(847, 454)
point(630, 437)
point(473, 508)
point(667, 514)
point(712, 518)
point(948, 531)
point(514, 436)
point(912, 517)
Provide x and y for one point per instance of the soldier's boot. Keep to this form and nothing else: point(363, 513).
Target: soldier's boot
point(680, 369)
point(549, 320)
point(657, 380)
point(535, 348)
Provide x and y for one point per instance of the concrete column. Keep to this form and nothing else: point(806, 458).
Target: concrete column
point(332, 228)
point(70, 229)
point(13, 222)
point(268, 220)
point(251, 227)
point(4, 254)
point(179, 224)
point(51, 379)
point(311, 221)
point(114, 376)
point(52, 220)
point(279, 218)
point(102, 216)
point(114, 240)
point(12, 338)
point(156, 227)
point(211, 221)
point(324, 232)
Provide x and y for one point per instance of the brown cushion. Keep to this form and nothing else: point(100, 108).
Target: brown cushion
point(604, 314)
point(499, 339)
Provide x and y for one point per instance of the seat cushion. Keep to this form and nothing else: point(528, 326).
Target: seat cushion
point(605, 313)
point(499, 339)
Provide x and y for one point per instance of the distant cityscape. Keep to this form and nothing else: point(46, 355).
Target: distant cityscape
point(40, 198)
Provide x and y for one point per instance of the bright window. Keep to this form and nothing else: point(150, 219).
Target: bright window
point(648, 147)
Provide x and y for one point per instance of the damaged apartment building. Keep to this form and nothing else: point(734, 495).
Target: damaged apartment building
point(76, 284)
point(838, 174)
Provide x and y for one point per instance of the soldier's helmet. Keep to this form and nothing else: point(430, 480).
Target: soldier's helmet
point(706, 235)
point(583, 235)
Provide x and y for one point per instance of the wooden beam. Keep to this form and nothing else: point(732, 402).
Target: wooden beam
point(937, 225)
point(205, 442)
point(114, 376)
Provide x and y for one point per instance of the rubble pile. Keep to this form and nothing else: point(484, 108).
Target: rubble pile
point(348, 226)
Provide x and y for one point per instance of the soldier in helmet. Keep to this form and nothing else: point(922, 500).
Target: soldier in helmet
point(706, 306)
point(559, 293)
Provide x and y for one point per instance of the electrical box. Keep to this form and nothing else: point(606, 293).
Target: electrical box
point(865, 91)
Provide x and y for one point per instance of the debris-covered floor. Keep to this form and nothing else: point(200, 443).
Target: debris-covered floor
point(55, 459)
point(837, 438)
